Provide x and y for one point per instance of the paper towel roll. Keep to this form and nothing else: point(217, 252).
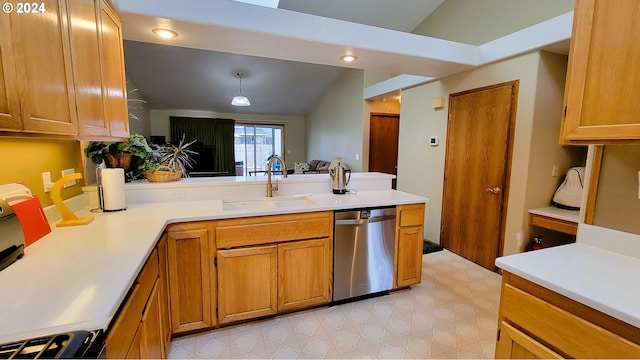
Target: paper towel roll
point(111, 185)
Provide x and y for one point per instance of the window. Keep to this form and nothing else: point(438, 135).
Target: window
point(254, 144)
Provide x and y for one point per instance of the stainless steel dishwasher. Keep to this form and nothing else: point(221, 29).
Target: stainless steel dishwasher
point(363, 252)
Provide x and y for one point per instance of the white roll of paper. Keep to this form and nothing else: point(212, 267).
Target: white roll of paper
point(113, 193)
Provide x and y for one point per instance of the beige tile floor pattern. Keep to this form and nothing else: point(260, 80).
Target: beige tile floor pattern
point(451, 314)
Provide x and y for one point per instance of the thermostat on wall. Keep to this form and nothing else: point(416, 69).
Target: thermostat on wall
point(433, 141)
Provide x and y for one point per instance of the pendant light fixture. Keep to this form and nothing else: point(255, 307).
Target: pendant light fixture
point(240, 100)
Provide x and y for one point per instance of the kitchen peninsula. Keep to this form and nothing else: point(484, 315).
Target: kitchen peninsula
point(76, 278)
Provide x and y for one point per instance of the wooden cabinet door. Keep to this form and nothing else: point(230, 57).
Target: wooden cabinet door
point(514, 344)
point(304, 274)
point(114, 87)
point(9, 100)
point(246, 283)
point(601, 93)
point(135, 349)
point(152, 342)
point(84, 17)
point(189, 280)
point(409, 259)
point(163, 289)
point(44, 69)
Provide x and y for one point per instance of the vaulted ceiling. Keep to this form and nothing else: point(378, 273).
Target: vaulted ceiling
point(289, 56)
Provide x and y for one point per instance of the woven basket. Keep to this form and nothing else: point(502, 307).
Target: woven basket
point(163, 173)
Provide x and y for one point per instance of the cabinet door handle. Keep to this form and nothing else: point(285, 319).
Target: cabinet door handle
point(494, 190)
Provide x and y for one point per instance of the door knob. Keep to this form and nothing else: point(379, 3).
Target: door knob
point(495, 190)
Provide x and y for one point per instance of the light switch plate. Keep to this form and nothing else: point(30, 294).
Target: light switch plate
point(434, 140)
point(66, 172)
point(46, 181)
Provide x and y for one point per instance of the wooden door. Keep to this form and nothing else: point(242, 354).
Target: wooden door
point(9, 100)
point(304, 274)
point(115, 88)
point(87, 66)
point(478, 155)
point(247, 283)
point(43, 65)
point(514, 344)
point(383, 144)
point(189, 276)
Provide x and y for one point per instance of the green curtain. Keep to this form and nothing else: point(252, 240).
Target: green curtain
point(208, 131)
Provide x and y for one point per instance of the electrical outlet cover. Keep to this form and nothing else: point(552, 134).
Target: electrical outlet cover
point(66, 172)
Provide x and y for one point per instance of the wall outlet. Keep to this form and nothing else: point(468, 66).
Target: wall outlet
point(46, 181)
point(177, 195)
point(66, 172)
point(555, 170)
point(357, 156)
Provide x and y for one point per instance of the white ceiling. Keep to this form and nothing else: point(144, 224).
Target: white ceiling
point(289, 56)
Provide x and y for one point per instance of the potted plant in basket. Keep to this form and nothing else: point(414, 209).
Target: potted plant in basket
point(131, 154)
point(172, 162)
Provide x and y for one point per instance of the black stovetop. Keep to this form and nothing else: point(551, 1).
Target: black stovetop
point(75, 344)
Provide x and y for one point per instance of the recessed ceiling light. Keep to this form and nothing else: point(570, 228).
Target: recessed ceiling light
point(348, 58)
point(165, 33)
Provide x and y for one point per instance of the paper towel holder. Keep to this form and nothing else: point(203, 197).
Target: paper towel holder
point(101, 193)
point(68, 217)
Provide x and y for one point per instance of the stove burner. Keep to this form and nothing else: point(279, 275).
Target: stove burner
point(76, 344)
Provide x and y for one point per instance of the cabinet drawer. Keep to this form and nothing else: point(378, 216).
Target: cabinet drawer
point(124, 327)
point(562, 330)
point(411, 215)
point(275, 228)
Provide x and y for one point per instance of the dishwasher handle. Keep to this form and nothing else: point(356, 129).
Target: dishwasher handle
point(365, 221)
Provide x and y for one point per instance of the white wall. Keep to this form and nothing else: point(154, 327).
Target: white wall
point(294, 128)
point(479, 21)
point(617, 203)
point(421, 167)
point(335, 123)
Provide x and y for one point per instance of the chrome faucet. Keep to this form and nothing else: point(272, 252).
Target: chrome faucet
point(270, 186)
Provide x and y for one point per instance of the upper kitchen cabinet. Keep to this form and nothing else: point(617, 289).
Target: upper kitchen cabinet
point(98, 64)
point(602, 87)
point(62, 69)
point(39, 43)
point(9, 101)
point(114, 86)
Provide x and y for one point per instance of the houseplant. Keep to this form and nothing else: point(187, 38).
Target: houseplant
point(172, 162)
point(132, 155)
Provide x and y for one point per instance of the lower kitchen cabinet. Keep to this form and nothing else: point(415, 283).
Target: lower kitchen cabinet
point(151, 332)
point(163, 289)
point(191, 276)
point(272, 264)
point(535, 322)
point(409, 238)
point(246, 283)
point(136, 331)
point(304, 274)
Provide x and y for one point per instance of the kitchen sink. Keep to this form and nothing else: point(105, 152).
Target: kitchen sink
point(267, 203)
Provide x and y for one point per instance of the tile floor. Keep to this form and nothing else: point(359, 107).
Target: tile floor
point(451, 314)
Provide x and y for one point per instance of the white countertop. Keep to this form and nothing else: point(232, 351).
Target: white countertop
point(75, 278)
point(557, 213)
point(600, 270)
